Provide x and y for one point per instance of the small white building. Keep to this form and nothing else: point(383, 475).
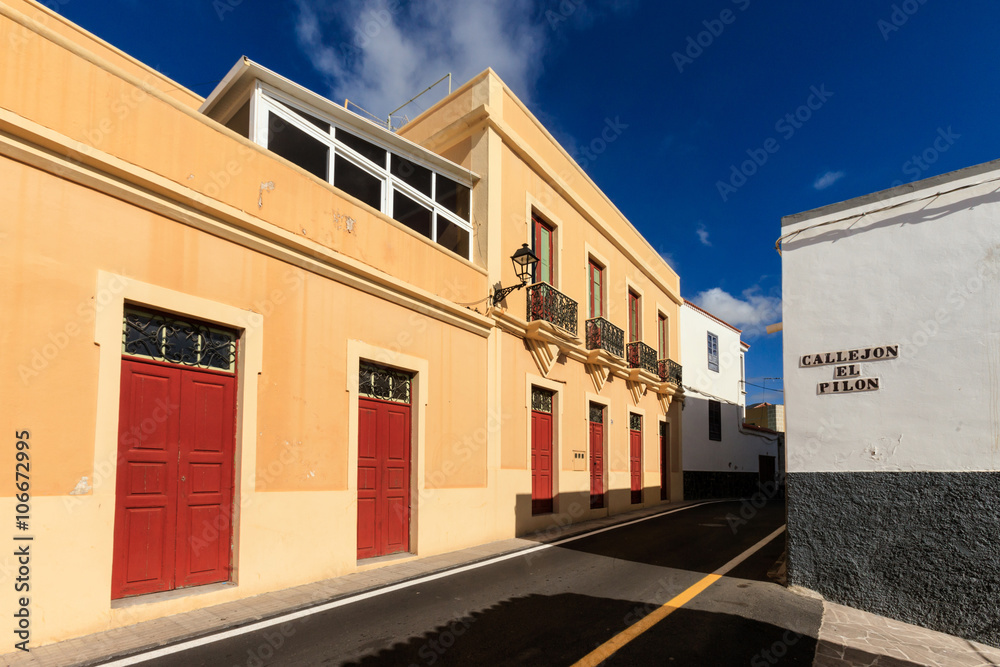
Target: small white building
point(722, 458)
point(892, 389)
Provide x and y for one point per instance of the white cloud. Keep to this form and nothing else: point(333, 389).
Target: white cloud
point(702, 233)
point(752, 313)
point(669, 259)
point(379, 53)
point(828, 179)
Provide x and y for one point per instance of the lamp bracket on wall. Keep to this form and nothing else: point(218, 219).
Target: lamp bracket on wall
point(524, 261)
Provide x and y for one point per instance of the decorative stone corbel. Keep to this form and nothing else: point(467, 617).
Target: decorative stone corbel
point(543, 353)
point(637, 390)
point(599, 374)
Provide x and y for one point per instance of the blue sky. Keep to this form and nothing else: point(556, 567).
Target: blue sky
point(732, 113)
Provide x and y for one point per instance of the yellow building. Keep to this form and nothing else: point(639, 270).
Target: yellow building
point(766, 415)
point(256, 330)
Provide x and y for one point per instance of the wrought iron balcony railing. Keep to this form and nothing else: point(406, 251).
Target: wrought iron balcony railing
point(640, 355)
point(670, 371)
point(602, 335)
point(547, 303)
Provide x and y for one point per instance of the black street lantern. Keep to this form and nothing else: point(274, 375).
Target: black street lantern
point(524, 261)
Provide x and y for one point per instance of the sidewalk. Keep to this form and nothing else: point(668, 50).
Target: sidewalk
point(847, 636)
point(853, 638)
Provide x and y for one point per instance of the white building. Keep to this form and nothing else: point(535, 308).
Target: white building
point(722, 458)
point(892, 389)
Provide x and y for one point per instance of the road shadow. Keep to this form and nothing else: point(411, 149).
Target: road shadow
point(560, 629)
point(699, 539)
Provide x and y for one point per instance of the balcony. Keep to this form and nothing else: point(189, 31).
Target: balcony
point(602, 335)
point(670, 371)
point(547, 303)
point(640, 355)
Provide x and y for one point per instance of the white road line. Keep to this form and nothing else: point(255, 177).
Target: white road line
point(302, 613)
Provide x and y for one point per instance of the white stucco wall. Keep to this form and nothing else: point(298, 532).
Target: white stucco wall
point(925, 275)
point(737, 451)
point(725, 383)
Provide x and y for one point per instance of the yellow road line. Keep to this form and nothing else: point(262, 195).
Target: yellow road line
point(605, 650)
point(608, 648)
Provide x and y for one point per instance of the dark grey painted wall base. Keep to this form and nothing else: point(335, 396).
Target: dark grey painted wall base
point(921, 547)
point(699, 484)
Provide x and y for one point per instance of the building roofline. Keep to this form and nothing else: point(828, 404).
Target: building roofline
point(899, 190)
point(717, 319)
point(246, 71)
point(489, 72)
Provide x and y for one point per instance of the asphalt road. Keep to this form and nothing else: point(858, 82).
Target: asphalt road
point(555, 606)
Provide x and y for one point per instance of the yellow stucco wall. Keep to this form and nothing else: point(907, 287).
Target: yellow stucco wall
point(117, 191)
point(484, 127)
point(56, 237)
point(103, 109)
point(34, 16)
point(283, 265)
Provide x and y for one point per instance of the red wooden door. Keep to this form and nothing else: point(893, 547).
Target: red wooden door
point(664, 461)
point(541, 462)
point(596, 465)
point(383, 478)
point(635, 465)
point(205, 484)
point(173, 508)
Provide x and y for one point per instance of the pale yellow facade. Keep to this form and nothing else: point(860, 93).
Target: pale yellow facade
point(484, 127)
point(118, 191)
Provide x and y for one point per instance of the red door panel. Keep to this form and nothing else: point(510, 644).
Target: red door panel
point(204, 513)
point(368, 472)
point(596, 465)
point(397, 479)
point(146, 488)
point(383, 478)
point(541, 463)
point(174, 492)
point(635, 465)
point(145, 564)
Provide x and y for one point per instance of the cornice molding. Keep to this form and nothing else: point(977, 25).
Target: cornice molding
point(27, 142)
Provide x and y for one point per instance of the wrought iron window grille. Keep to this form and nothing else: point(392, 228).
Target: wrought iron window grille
point(541, 400)
point(384, 384)
point(634, 421)
point(602, 335)
point(163, 338)
point(596, 413)
point(547, 303)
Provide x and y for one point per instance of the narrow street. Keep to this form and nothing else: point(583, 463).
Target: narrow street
point(556, 605)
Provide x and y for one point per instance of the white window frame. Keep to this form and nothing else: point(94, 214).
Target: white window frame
point(267, 99)
point(713, 352)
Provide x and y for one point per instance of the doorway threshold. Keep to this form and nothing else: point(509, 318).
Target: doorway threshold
point(378, 561)
point(188, 591)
